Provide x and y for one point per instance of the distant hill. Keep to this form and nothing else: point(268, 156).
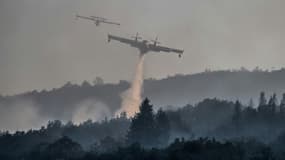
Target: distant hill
point(62, 103)
point(229, 85)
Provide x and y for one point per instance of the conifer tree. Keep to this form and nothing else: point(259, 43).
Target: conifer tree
point(142, 129)
point(163, 127)
point(237, 114)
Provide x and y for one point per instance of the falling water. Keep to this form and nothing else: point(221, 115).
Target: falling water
point(132, 97)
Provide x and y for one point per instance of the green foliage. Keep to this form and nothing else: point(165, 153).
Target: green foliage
point(147, 135)
point(142, 127)
point(149, 129)
point(64, 148)
point(162, 128)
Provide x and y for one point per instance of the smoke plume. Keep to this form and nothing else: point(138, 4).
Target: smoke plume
point(91, 109)
point(20, 115)
point(132, 97)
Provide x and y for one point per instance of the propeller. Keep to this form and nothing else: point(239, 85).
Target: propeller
point(137, 37)
point(155, 42)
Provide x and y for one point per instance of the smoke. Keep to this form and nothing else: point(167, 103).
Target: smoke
point(20, 115)
point(132, 97)
point(91, 109)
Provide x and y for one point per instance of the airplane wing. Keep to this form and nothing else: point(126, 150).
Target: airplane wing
point(165, 49)
point(83, 17)
point(111, 22)
point(98, 18)
point(121, 39)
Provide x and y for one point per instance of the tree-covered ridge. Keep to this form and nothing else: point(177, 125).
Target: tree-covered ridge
point(180, 149)
point(230, 126)
point(176, 91)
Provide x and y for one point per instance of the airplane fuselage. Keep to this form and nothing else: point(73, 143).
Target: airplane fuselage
point(143, 47)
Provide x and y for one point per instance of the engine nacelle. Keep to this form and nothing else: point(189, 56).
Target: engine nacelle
point(97, 23)
point(109, 39)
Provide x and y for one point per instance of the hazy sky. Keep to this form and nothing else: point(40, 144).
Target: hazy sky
point(43, 46)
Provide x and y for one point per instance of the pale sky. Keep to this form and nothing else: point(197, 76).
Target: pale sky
point(42, 46)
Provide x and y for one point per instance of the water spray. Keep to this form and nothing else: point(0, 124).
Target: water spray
point(131, 99)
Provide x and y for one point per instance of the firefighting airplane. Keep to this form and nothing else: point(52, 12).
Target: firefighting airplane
point(144, 46)
point(97, 20)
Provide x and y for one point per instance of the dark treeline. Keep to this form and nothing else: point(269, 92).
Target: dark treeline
point(233, 131)
point(180, 149)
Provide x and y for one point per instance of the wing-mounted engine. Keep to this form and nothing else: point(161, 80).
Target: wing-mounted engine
point(137, 37)
point(155, 42)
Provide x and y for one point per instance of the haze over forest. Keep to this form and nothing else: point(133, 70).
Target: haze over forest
point(97, 101)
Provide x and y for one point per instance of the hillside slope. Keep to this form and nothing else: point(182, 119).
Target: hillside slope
point(65, 102)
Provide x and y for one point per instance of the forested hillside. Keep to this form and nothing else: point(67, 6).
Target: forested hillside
point(71, 100)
